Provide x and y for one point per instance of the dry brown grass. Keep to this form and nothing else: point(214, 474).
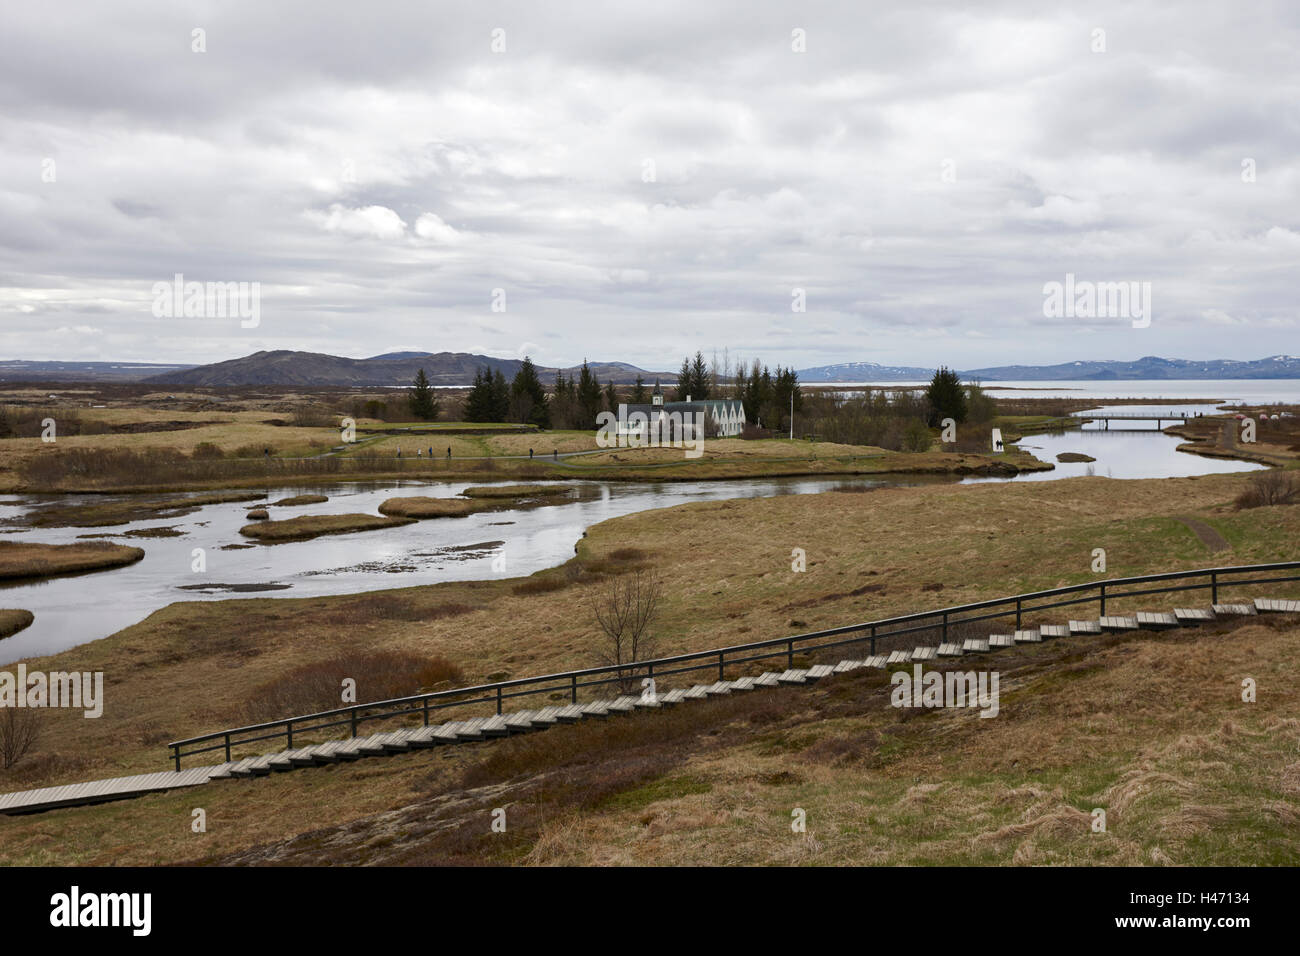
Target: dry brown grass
point(29, 559)
point(419, 506)
point(305, 527)
point(297, 500)
point(515, 491)
point(376, 675)
point(13, 620)
point(98, 514)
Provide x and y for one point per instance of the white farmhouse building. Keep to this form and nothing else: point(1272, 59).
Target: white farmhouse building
point(677, 421)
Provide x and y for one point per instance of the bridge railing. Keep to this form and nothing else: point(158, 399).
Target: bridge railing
point(569, 685)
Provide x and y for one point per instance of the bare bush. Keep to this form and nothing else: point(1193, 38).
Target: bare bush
point(626, 612)
point(1272, 487)
point(20, 728)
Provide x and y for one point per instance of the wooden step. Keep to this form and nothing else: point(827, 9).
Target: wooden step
point(768, 679)
point(1054, 630)
point(373, 746)
point(1156, 620)
point(925, 653)
point(1230, 610)
point(845, 666)
point(818, 671)
point(1085, 627)
point(1275, 606)
point(673, 696)
point(261, 766)
point(625, 705)
point(326, 752)
point(435, 736)
point(1116, 622)
point(281, 761)
point(743, 683)
point(469, 729)
point(399, 741)
point(700, 691)
point(1029, 635)
point(573, 713)
point(546, 717)
point(899, 657)
point(975, 645)
point(950, 649)
point(1001, 640)
point(304, 757)
point(521, 721)
point(793, 677)
point(240, 767)
point(1188, 616)
point(595, 708)
point(876, 660)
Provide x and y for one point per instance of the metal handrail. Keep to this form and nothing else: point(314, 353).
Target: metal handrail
point(719, 658)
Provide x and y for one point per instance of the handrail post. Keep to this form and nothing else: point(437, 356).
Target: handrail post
point(1017, 614)
point(176, 755)
point(789, 654)
point(499, 700)
point(288, 735)
point(721, 664)
point(575, 688)
point(354, 721)
point(873, 640)
point(1103, 601)
point(945, 627)
point(426, 712)
point(1214, 587)
point(227, 748)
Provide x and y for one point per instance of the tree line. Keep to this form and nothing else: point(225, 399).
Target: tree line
point(899, 419)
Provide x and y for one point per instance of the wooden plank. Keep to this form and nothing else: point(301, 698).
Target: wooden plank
point(1230, 610)
point(1029, 635)
point(1001, 640)
point(1054, 630)
point(1116, 622)
point(1156, 619)
point(1085, 627)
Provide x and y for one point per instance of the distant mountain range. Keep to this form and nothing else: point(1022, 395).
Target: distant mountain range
point(392, 368)
point(1149, 368)
point(284, 367)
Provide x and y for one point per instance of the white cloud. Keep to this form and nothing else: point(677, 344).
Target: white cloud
point(377, 222)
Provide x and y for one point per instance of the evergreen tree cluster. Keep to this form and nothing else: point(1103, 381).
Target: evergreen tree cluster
point(766, 394)
point(695, 380)
point(423, 400)
point(489, 398)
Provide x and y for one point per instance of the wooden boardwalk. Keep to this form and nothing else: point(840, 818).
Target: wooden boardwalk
point(526, 721)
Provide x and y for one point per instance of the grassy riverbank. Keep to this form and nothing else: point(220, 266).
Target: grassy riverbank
point(30, 559)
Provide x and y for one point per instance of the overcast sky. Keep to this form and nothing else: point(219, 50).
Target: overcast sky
point(379, 169)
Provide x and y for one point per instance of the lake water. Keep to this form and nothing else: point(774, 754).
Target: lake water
point(1227, 391)
point(73, 610)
